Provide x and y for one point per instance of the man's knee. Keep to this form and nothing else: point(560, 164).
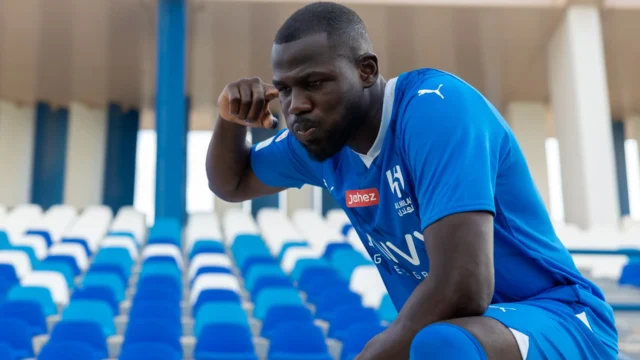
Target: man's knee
point(446, 341)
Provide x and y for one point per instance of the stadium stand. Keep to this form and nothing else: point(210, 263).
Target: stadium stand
point(91, 284)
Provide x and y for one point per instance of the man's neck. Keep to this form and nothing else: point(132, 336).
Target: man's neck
point(366, 136)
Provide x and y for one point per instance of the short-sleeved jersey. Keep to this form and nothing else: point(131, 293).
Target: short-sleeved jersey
point(442, 149)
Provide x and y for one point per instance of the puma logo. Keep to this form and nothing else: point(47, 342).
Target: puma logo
point(428, 91)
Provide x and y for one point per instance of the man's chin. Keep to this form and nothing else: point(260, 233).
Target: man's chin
point(321, 153)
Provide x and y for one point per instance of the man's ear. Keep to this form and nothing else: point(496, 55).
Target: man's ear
point(368, 68)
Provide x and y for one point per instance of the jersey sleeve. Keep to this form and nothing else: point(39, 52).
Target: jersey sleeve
point(454, 141)
point(281, 161)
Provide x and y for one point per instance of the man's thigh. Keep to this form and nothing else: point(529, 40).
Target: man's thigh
point(543, 329)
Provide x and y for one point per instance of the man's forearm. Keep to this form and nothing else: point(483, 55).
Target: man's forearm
point(227, 157)
point(436, 300)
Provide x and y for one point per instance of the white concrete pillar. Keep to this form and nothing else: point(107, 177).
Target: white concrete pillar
point(86, 156)
point(528, 121)
point(580, 100)
point(202, 112)
point(17, 129)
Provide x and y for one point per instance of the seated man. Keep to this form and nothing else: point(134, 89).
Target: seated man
point(435, 184)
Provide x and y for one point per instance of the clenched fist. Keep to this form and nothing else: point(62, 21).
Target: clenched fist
point(246, 102)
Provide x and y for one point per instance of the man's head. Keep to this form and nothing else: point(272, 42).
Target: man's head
point(323, 65)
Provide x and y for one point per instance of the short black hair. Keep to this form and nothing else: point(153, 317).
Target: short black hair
point(344, 28)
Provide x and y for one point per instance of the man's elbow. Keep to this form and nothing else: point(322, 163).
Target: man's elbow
point(225, 195)
point(474, 297)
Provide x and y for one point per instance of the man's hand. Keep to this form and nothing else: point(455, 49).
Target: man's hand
point(389, 344)
point(246, 102)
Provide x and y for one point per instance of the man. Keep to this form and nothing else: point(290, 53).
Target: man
point(435, 184)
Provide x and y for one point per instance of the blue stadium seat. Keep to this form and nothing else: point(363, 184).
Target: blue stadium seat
point(86, 332)
point(97, 292)
point(41, 295)
point(304, 264)
point(357, 337)
point(225, 342)
point(115, 256)
point(166, 282)
point(161, 267)
point(313, 272)
point(66, 259)
point(151, 290)
point(346, 260)
point(256, 260)
point(28, 311)
point(5, 286)
point(219, 313)
point(215, 295)
point(270, 281)
point(68, 350)
point(331, 300)
point(345, 229)
point(115, 269)
point(112, 281)
point(349, 315)
point(258, 271)
point(16, 334)
point(81, 241)
point(166, 260)
point(333, 247)
point(155, 351)
point(273, 297)
point(6, 352)
point(92, 311)
point(153, 331)
point(284, 314)
point(206, 246)
point(296, 341)
point(387, 311)
point(165, 231)
point(158, 309)
point(62, 267)
point(8, 274)
point(247, 246)
point(291, 244)
point(314, 289)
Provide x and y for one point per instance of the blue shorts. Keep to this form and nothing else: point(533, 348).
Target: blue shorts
point(563, 323)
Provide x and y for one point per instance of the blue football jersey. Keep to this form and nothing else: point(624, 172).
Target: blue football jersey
point(442, 149)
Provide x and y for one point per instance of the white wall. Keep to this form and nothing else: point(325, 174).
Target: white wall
point(17, 133)
point(86, 156)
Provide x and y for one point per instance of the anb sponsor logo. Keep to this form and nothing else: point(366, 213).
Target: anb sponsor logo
point(360, 198)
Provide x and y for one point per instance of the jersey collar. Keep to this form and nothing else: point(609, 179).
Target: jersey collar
point(387, 110)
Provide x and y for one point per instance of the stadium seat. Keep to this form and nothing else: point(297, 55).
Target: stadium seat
point(333, 299)
point(159, 309)
point(297, 341)
point(68, 350)
point(111, 281)
point(258, 271)
point(6, 352)
point(165, 231)
point(349, 315)
point(85, 332)
point(284, 314)
point(16, 334)
point(357, 337)
point(219, 313)
point(61, 266)
point(207, 259)
point(54, 281)
point(270, 281)
point(94, 311)
point(225, 342)
point(206, 246)
point(28, 311)
point(213, 281)
point(162, 331)
point(269, 298)
point(215, 295)
point(155, 351)
point(97, 291)
point(41, 295)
